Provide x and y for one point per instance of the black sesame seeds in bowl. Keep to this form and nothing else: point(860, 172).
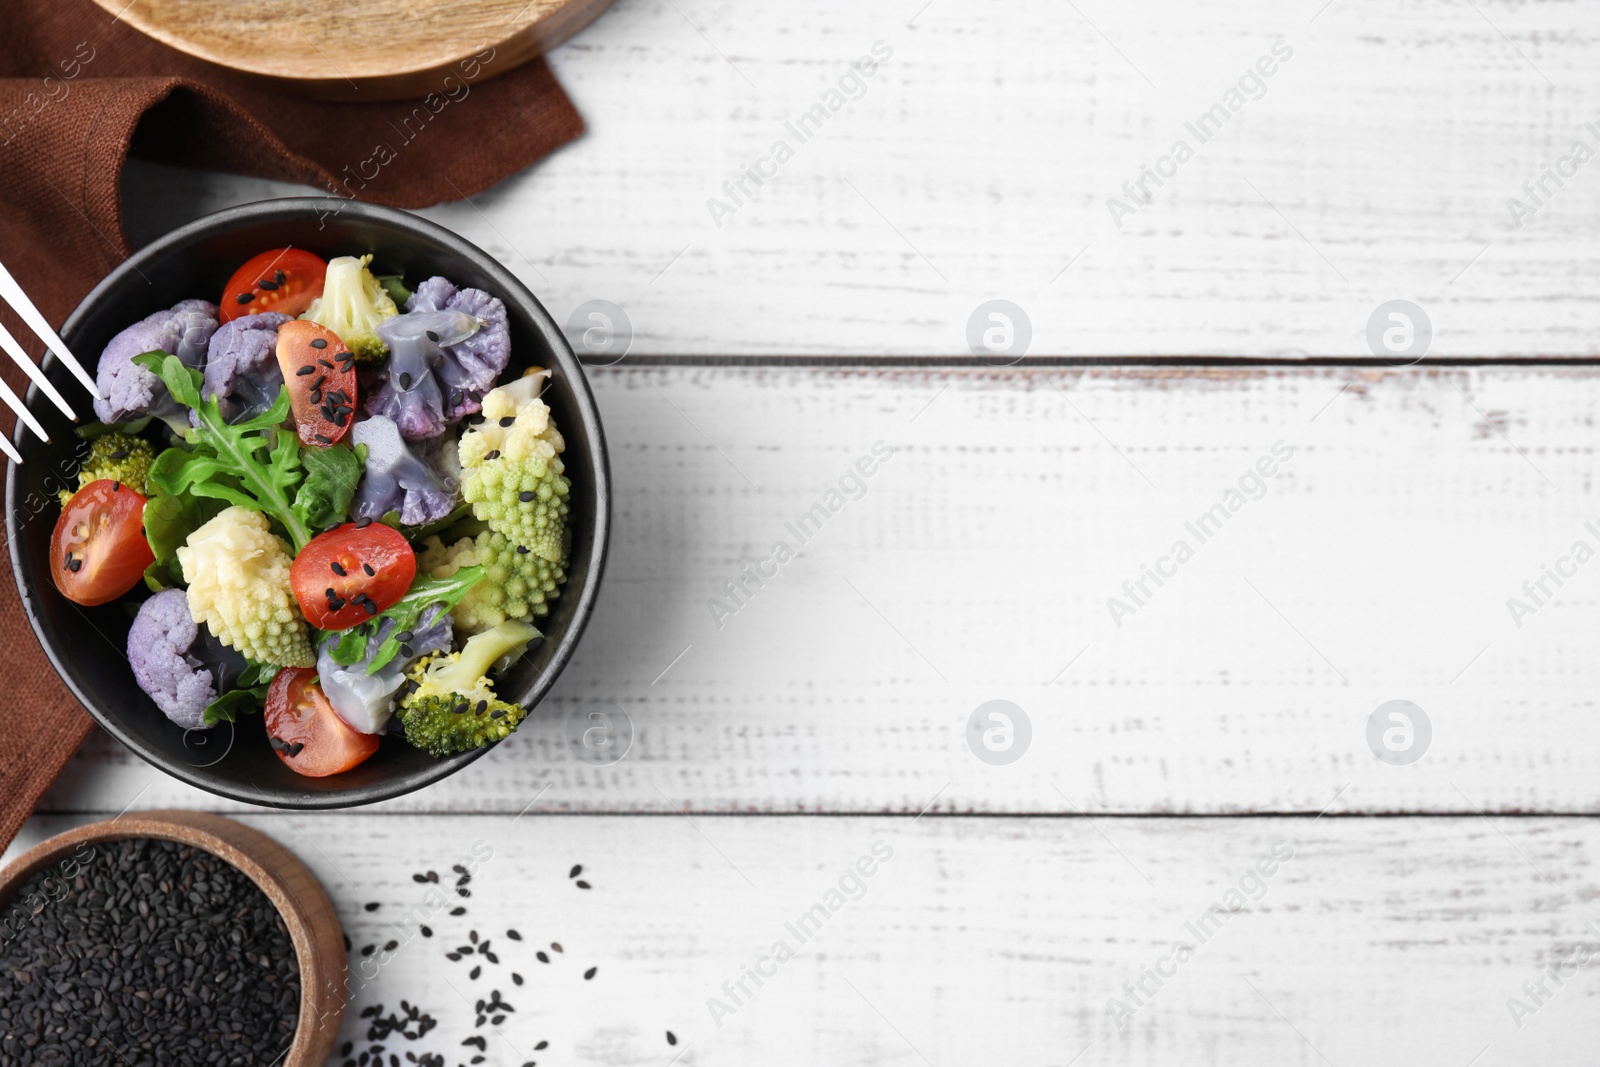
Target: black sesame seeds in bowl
point(167, 938)
point(87, 644)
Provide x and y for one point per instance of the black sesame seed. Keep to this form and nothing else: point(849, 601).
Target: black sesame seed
point(513, 935)
point(363, 522)
point(325, 363)
point(368, 568)
point(406, 651)
point(405, 380)
point(577, 870)
point(589, 973)
point(324, 438)
point(493, 454)
point(458, 910)
point(581, 884)
point(508, 420)
point(244, 298)
point(116, 487)
point(318, 384)
point(473, 974)
point(431, 336)
point(390, 946)
point(542, 957)
point(307, 369)
point(372, 906)
point(337, 568)
point(522, 550)
point(121, 453)
point(268, 285)
point(406, 635)
point(496, 713)
point(295, 749)
point(319, 342)
point(427, 931)
point(75, 566)
point(541, 1046)
point(526, 496)
point(672, 1038)
point(517, 978)
point(372, 609)
point(367, 950)
point(278, 276)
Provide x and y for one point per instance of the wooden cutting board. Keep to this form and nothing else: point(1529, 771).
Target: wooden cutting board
point(361, 49)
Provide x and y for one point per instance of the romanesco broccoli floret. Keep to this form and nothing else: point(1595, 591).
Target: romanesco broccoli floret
point(352, 304)
point(117, 457)
point(513, 477)
point(515, 585)
point(449, 705)
point(238, 576)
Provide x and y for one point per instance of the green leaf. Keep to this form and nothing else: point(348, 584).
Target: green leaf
point(458, 515)
point(332, 473)
point(254, 464)
point(425, 591)
point(235, 702)
point(169, 519)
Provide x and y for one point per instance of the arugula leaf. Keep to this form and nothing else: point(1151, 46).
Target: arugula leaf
point(253, 464)
point(235, 702)
point(332, 473)
point(425, 592)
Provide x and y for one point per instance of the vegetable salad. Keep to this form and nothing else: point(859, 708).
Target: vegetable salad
point(322, 506)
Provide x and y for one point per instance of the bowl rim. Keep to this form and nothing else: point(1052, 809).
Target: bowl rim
point(598, 476)
point(290, 887)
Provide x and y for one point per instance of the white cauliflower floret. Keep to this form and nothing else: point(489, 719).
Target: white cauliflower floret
point(532, 434)
point(238, 575)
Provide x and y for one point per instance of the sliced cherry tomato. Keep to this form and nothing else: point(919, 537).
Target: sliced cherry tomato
point(281, 279)
point(305, 731)
point(352, 572)
point(98, 550)
point(321, 375)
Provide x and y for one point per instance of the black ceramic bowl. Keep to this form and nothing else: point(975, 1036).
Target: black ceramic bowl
point(86, 645)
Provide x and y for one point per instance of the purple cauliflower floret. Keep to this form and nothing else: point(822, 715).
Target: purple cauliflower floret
point(127, 390)
point(365, 701)
point(419, 481)
point(472, 364)
point(180, 666)
point(445, 353)
point(242, 365)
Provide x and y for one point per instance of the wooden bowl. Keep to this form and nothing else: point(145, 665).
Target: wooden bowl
point(375, 50)
point(307, 912)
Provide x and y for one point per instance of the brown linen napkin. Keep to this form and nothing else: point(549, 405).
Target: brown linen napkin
point(79, 90)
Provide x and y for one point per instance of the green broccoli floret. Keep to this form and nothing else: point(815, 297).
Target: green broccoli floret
point(448, 704)
point(352, 304)
point(513, 477)
point(119, 457)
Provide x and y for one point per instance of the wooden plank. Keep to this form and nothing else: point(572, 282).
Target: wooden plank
point(1377, 163)
point(978, 562)
point(1377, 941)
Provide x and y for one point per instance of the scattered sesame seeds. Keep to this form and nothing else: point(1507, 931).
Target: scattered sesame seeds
point(589, 973)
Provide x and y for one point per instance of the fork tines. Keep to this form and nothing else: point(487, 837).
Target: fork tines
point(12, 294)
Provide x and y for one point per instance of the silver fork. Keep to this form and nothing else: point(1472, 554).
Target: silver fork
point(12, 294)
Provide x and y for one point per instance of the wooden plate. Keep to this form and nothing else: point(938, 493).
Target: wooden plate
point(361, 49)
point(293, 889)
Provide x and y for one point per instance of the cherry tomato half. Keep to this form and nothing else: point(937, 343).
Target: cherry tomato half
point(352, 572)
point(321, 375)
point(98, 550)
point(305, 731)
point(280, 279)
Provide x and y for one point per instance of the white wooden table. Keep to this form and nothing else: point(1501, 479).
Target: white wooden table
point(1211, 728)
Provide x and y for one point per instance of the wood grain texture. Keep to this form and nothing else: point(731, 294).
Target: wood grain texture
point(377, 51)
point(1375, 564)
point(1379, 941)
point(978, 161)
